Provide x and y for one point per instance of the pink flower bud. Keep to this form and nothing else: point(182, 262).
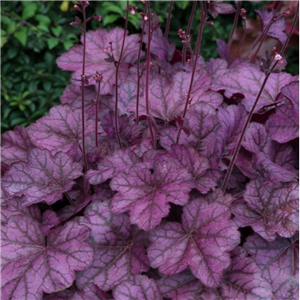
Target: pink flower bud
point(278, 57)
point(85, 3)
point(97, 18)
point(145, 18)
point(132, 11)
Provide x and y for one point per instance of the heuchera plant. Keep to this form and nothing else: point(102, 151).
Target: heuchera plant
point(160, 175)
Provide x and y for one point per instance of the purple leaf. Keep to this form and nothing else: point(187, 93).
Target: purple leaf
point(223, 49)
point(138, 288)
point(232, 119)
point(167, 98)
point(43, 178)
point(96, 43)
point(216, 67)
point(278, 261)
point(247, 79)
point(200, 243)
point(269, 210)
point(60, 130)
point(160, 47)
point(196, 165)
point(241, 281)
point(89, 292)
point(283, 126)
point(119, 252)
point(110, 166)
point(218, 7)
point(147, 194)
point(270, 160)
point(31, 266)
point(15, 145)
point(50, 220)
point(72, 97)
point(182, 286)
point(277, 29)
point(14, 207)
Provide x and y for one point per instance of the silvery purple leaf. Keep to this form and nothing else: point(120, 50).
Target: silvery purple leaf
point(269, 210)
point(147, 194)
point(246, 79)
point(32, 265)
point(60, 130)
point(284, 124)
point(182, 286)
point(199, 243)
point(89, 292)
point(279, 264)
point(119, 252)
point(97, 50)
point(138, 288)
point(223, 49)
point(43, 178)
point(15, 145)
point(218, 7)
point(277, 29)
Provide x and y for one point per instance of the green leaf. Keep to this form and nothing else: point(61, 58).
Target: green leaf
point(56, 30)
point(110, 19)
point(3, 40)
point(110, 7)
point(68, 44)
point(182, 4)
point(5, 20)
point(12, 26)
point(43, 27)
point(29, 10)
point(45, 20)
point(47, 86)
point(21, 36)
point(12, 52)
point(52, 43)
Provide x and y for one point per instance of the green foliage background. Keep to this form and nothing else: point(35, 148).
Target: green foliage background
point(35, 33)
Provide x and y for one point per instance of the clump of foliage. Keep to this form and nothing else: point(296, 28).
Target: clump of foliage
point(160, 175)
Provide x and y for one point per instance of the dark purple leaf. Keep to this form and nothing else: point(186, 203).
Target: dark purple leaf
point(182, 286)
point(31, 265)
point(278, 261)
point(96, 43)
point(201, 243)
point(43, 178)
point(277, 29)
point(138, 288)
point(283, 126)
point(218, 7)
point(15, 145)
point(119, 252)
point(269, 210)
point(147, 194)
point(247, 79)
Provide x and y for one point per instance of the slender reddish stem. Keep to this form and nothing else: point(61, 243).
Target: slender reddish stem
point(96, 117)
point(138, 76)
point(188, 31)
point(242, 39)
point(83, 89)
point(197, 52)
point(117, 130)
point(168, 20)
point(236, 18)
point(153, 139)
point(239, 143)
